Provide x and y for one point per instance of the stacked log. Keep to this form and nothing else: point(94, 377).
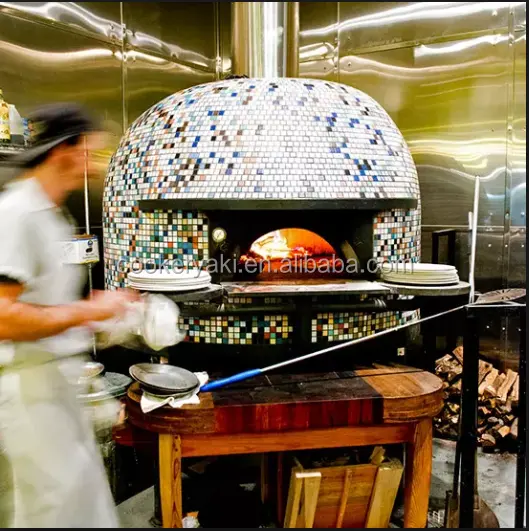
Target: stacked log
point(497, 408)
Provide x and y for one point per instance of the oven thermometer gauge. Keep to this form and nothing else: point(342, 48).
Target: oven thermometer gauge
point(219, 235)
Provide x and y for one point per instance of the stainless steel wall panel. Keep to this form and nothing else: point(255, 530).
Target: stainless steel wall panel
point(518, 147)
point(322, 69)
point(151, 78)
point(517, 267)
point(365, 25)
point(180, 31)
point(489, 259)
point(318, 39)
point(489, 256)
point(450, 102)
point(515, 255)
point(224, 37)
point(387, 76)
point(457, 126)
point(318, 22)
point(41, 64)
point(98, 19)
point(520, 15)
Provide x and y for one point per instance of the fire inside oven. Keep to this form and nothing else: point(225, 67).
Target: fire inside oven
point(294, 252)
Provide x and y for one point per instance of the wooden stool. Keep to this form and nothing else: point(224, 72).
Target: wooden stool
point(278, 413)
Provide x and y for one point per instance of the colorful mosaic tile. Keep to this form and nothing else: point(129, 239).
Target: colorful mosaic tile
point(259, 301)
point(263, 139)
point(152, 237)
point(238, 330)
point(338, 297)
point(397, 235)
point(344, 326)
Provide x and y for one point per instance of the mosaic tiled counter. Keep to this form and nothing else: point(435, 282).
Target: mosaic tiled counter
point(278, 329)
point(253, 323)
point(246, 330)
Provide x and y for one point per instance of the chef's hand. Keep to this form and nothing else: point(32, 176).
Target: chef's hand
point(105, 305)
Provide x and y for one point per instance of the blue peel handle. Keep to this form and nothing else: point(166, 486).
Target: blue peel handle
point(232, 379)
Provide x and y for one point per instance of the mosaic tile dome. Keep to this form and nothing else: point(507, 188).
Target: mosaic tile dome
point(263, 139)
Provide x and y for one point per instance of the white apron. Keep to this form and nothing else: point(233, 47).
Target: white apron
point(58, 479)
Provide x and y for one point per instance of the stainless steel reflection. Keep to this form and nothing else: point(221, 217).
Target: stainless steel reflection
point(41, 64)
point(225, 37)
point(378, 24)
point(450, 102)
point(322, 46)
point(151, 78)
point(520, 16)
point(318, 20)
point(97, 19)
point(321, 69)
point(179, 31)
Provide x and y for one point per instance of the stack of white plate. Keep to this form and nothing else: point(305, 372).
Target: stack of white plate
point(170, 280)
point(420, 274)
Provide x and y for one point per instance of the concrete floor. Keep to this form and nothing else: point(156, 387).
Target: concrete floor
point(136, 512)
point(497, 479)
point(496, 486)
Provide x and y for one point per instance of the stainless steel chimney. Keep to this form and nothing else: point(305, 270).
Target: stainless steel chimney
point(265, 39)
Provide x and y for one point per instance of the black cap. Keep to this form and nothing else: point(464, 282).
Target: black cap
point(52, 125)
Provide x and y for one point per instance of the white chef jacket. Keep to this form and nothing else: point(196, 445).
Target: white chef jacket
point(58, 476)
point(32, 232)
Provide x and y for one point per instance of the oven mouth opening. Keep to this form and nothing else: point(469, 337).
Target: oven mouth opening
point(291, 254)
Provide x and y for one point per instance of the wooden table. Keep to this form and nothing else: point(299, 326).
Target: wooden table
point(278, 413)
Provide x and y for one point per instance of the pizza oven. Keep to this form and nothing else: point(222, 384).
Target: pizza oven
point(288, 190)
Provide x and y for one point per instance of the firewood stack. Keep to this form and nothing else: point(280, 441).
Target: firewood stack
point(498, 403)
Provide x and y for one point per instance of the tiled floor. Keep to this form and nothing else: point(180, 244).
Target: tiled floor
point(496, 484)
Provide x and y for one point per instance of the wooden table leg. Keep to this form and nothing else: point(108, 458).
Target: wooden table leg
point(418, 476)
point(170, 449)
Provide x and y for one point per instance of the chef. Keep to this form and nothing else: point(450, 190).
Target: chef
point(58, 479)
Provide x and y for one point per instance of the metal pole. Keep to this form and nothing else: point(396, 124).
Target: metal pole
point(240, 24)
point(292, 39)
point(521, 461)
point(469, 406)
point(87, 227)
point(265, 39)
point(359, 340)
point(246, 375)
point(473, 242)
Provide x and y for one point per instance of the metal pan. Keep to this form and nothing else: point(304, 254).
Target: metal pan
point(164, 379)
point(501, 295)
point(91, 370)
point(166, 394)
